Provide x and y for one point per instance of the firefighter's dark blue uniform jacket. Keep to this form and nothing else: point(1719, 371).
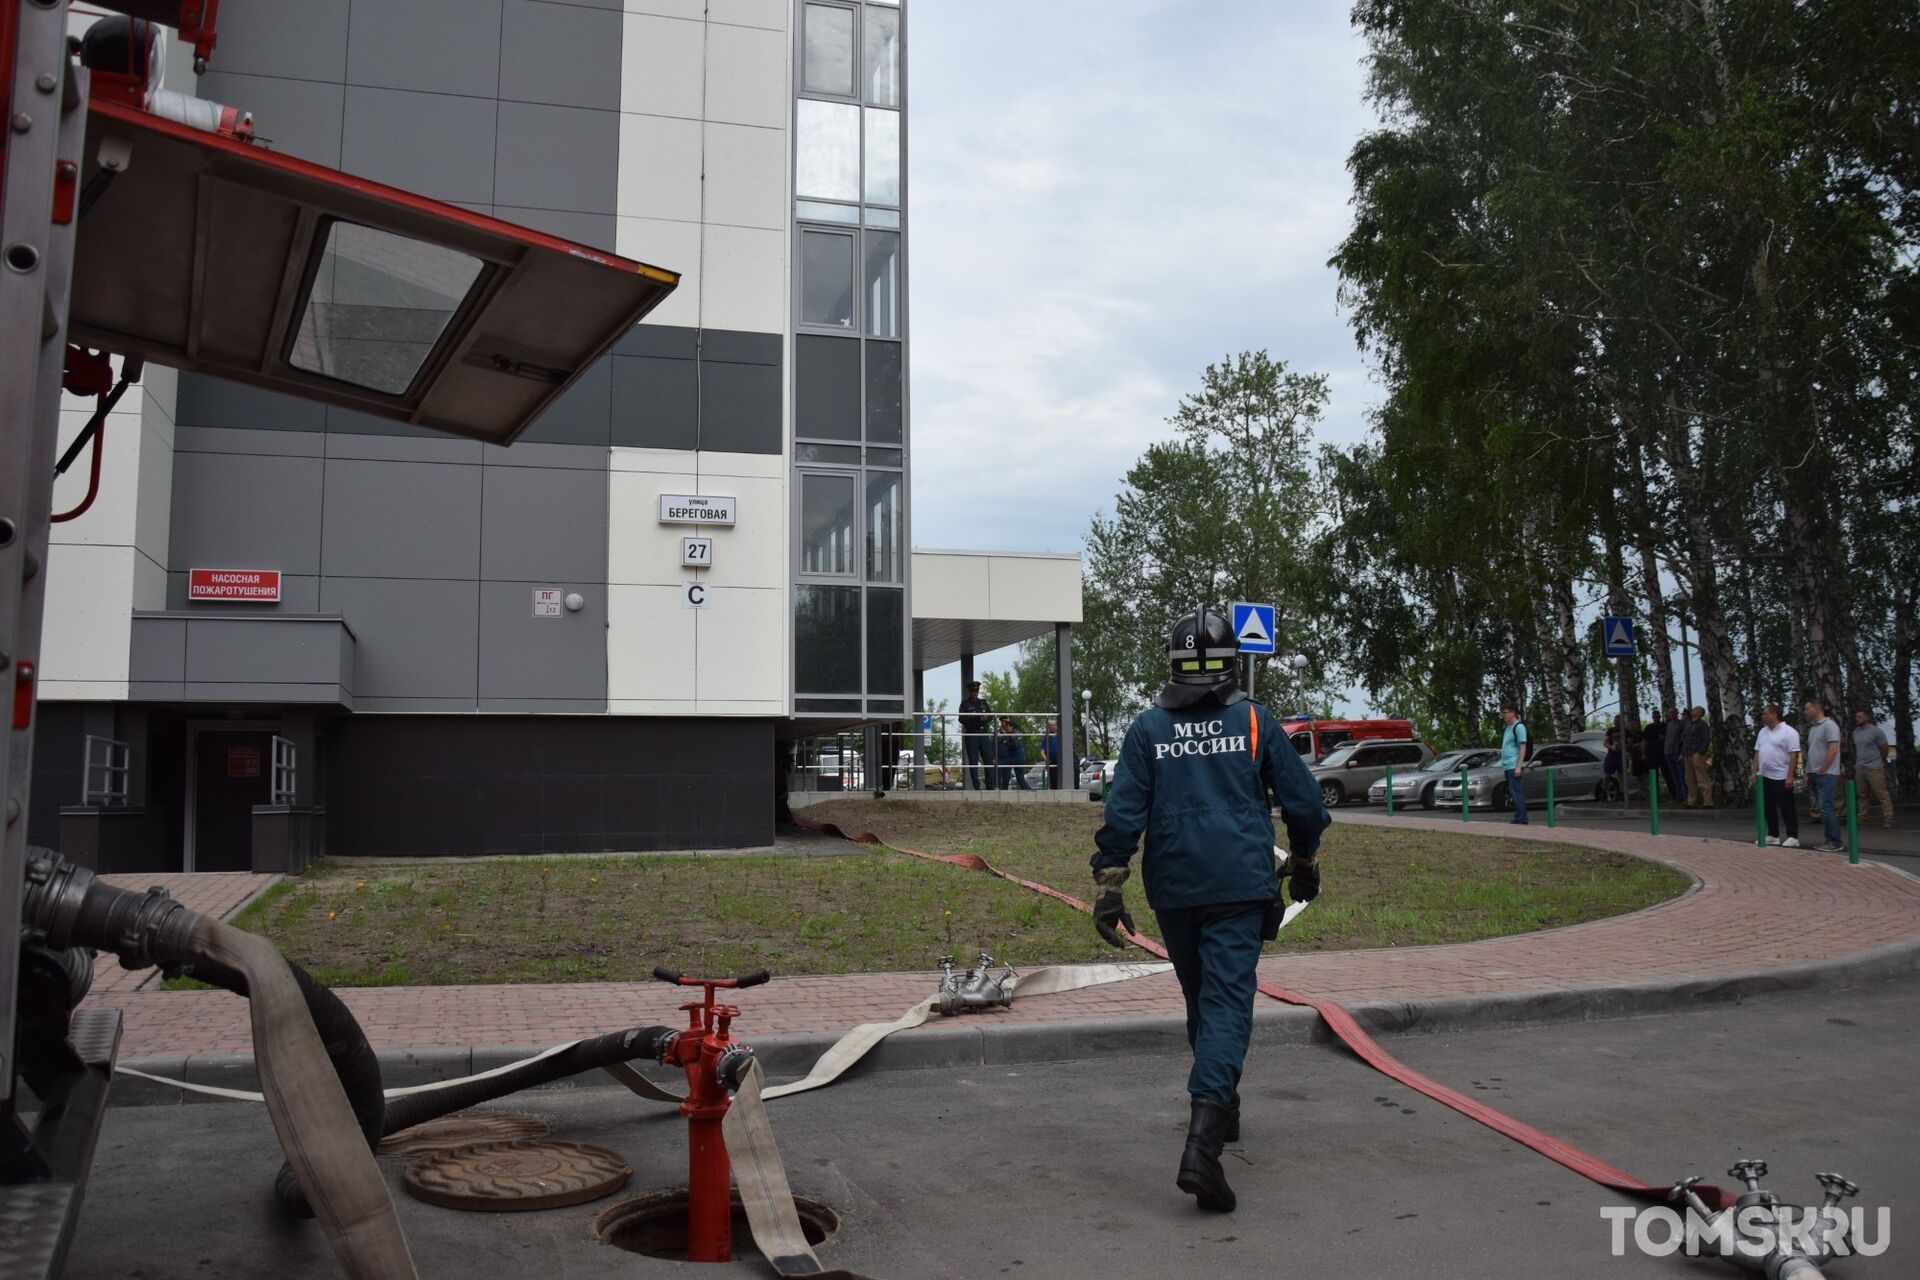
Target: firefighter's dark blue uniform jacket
point(1194, 783)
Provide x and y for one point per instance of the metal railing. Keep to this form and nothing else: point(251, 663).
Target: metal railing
point(286, 759)
point(936, 751)
point(104, 771)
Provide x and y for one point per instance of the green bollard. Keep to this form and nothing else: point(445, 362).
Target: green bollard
point(1463, 795)
point(1759, 812)
point(1853, 825)
point(1551, 814)
point(1653, 804)
point(1389, 791)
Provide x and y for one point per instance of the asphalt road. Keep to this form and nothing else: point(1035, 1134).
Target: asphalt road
point(1066, 1169)
point(1901, 842)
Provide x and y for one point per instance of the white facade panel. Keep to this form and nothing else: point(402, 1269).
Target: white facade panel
point(675, 246)
point(641, 550)
point(950, 586)
point(743, 279)
point(747, 76)
point(109, 522)
point(650, 651)
point(667, 461)
point(693, 9)
point(746, 171)
point(662, 64)
point(1037, 588)
point(87, 642)
point(753, 552)
point(741, 667)
point(771, 14)
point(714, 462)
point(659, 169)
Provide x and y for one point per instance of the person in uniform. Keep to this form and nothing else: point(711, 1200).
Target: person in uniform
point(1194, 776)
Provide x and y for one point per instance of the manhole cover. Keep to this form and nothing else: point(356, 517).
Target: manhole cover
point(655, 1224)
point(530, 1173)
point(463, 1129)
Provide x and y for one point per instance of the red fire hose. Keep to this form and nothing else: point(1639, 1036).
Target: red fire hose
point(1355, 1038)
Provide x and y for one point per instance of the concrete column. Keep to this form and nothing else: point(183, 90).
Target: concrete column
point(919, 709)
point(966, 676)
point(1063, 670)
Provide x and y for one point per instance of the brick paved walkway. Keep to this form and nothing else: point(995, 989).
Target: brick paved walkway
point(1754, 909)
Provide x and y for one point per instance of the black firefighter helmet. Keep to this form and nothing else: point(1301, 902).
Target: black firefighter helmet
point(1201, 650)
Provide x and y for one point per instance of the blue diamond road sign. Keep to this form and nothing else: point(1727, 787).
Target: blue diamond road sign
point(1253, 627)
point(1619, 636)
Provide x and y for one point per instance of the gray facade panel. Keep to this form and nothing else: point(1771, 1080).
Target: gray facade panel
point(740, 407)
point(327, 694)
point(345, 422)
point(563, 54)
point(543, 526)
point(656, 403)
point(579, 416)
point(826, 375)
point(300, 118)
point(437, 46)
point(292, 444)
point(430, 143)
point(740, 346)
point(261, 650)
point(299, 593)
point(435, 448)
point(561, 457)
point(415, 637)
point(556, 158)
point(668, 341)
point(156, 691)
point(237, 511)
point(158, 650)
point(400, 520)
point(214, 402)
point(595, 230)
point(300, 39)
point(522, 656)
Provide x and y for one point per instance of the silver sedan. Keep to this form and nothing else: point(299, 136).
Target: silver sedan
point(1415, 786)
point(1576, 776)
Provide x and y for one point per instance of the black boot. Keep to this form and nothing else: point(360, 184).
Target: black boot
point(1200, 1173)
point(1232, 1134)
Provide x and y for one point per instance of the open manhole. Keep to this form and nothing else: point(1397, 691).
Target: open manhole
point(655, 1224)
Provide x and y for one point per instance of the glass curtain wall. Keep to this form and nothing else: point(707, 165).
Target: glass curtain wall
point(850, 333)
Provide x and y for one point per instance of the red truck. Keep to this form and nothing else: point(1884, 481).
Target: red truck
point(1313, 739)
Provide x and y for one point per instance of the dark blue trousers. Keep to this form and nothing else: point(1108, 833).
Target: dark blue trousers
point(1215, 951)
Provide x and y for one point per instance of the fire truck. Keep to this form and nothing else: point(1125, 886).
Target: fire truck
point(142, 224)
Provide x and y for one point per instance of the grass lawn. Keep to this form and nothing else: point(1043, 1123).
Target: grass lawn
point(579, 919)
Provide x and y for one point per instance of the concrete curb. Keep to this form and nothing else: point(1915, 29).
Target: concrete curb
point(982, 1041)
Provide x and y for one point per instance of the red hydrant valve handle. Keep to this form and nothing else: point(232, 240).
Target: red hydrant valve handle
point(753, 979)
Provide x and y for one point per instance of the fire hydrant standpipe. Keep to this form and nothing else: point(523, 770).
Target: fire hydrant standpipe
point(714, 1063)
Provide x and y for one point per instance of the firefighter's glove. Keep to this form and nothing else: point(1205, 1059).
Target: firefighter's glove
point(1303, 882)
point(1110, 906)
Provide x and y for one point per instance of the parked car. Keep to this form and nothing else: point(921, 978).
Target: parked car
point(1348, 771)
point(1091, 772)
point(1576, 776)
point(1415, 786)
point(1317, 739)
point(1099, 783)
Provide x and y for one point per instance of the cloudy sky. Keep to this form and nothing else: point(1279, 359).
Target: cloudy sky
point(1107, 195)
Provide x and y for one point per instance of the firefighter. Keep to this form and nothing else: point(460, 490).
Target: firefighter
point(1193, 779)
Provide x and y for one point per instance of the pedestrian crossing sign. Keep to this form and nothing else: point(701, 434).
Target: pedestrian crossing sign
point(1253, 627)
point(1618, 633)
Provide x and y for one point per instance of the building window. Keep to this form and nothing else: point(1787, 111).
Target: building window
point(829, 50)
point(827, 151)
point(826, 387)
point(880, 57)
point(882, 276)
point(827, 514)
point(883, 392)
point(820, 211)
point(886, 641)
point(826, 639)
point(883, 157)
point(883, 526)
point(826, 279)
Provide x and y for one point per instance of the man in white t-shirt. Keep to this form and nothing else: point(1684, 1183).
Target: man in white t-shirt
point(1776, 759)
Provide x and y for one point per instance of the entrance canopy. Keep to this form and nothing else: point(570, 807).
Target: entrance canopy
point(210, 254)
point(972, 602)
